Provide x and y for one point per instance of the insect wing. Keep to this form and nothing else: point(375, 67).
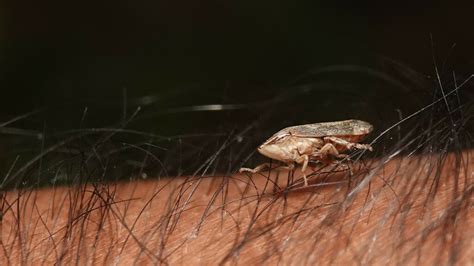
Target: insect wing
point(338, 128)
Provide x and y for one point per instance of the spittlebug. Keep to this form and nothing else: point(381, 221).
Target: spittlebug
point(323, 142)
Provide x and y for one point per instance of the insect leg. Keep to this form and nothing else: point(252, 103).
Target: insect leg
point(327, 152)
point(263, 166)
point(254, 170)
point(304, 159)
point(347, 144)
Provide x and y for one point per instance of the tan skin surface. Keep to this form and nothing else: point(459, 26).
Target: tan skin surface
point(399, 214)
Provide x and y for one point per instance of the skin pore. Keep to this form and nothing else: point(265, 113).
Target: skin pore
point(403, 210)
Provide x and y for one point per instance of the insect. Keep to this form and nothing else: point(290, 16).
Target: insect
point(323, 142)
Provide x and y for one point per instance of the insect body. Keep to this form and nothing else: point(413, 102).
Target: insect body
point(323, 142)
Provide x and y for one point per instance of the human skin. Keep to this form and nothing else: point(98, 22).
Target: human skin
point(394, 211)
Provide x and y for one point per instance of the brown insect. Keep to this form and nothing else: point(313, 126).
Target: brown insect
point(323, 142)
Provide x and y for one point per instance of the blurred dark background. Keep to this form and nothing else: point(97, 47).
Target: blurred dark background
point(54, 52)
point(93, 63)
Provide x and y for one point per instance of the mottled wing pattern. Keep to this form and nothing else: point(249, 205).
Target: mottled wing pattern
point(339, 128)
point(347, 129)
